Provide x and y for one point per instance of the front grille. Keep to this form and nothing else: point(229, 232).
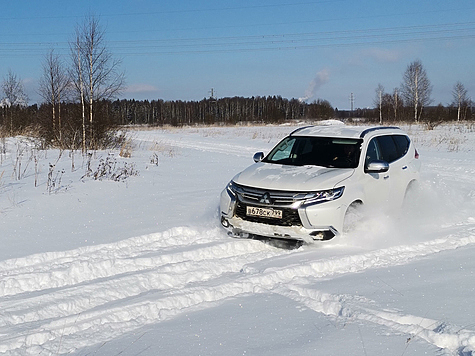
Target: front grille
point(253, 195)
point(290, 217)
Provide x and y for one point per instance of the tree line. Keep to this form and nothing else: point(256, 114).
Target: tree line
point(110, 115)
point(222, 111)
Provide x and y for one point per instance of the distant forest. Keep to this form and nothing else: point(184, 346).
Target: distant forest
point(224, 111)
point(209, 111)
point(112, 114)
point(266, 110)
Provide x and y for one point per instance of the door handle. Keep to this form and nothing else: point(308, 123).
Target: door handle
point(405, 167)
point(386, 177)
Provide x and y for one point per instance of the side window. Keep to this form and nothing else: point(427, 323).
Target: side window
point(402, 144)
point(388, 148)
point(371, 152)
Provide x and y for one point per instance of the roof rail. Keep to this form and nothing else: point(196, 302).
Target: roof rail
point(363, 134)
point(300, 129)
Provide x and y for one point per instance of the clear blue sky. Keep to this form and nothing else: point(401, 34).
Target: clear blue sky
point(179, 50)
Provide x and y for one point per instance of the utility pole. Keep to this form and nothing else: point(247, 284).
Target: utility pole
point(471, 102)
point(352, 103)
point(214, 104)
point(211, 94)
point(380, 107)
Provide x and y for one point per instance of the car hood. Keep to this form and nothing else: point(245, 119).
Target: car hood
point(294, 178)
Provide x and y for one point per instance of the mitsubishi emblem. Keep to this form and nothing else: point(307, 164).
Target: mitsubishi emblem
point(265, 199)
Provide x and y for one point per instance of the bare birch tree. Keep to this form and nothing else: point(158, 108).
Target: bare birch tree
point(378, 101)
point(396, 102)
point(96, 72)
point(14, 95)
point(53, 86)
point(460, 99)
point(416, 88)
point(76, 75)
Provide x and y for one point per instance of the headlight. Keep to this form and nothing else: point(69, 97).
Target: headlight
point(318, 197)
point(231, 188)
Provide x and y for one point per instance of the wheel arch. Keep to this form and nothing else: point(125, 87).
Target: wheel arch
point(352, 215)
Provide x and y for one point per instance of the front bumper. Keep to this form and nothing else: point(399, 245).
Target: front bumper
point(318, 222)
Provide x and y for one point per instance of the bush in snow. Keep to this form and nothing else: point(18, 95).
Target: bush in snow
point(53, 183)
point(110, 169)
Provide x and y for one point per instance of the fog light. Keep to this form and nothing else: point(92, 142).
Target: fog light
point(224, 222)
point(322, 235)
point(318, 235)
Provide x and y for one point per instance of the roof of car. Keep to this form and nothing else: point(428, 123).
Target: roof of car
point(342, 130)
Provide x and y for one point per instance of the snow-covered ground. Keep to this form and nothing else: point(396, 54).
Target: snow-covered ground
point(141, 267)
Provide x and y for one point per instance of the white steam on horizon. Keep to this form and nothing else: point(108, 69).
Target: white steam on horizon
point(320, 79)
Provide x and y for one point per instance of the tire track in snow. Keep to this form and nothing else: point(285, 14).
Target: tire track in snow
point(175, 237)
point(206, 146)
point(109, 275)
point(126, 304)
point(133, 277)
point(438, 333)
point(60, 269)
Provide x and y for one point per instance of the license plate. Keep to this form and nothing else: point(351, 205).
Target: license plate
point(263, 212)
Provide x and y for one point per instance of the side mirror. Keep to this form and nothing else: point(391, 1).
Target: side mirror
point(377, 167)
point(259, 156)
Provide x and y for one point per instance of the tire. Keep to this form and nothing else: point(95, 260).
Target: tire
point(412, 194)
point(353, 216)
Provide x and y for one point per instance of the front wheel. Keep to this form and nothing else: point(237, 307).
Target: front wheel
point(353, 216)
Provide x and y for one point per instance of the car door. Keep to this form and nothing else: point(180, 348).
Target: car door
point(396, 175)
point(400, 172)
point(376, 186)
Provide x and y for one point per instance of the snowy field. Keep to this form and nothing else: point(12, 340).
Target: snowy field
point(140, 266)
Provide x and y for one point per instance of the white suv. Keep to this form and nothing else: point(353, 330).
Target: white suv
point(310, 181)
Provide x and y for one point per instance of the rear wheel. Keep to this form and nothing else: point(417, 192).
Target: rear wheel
point(411, 195)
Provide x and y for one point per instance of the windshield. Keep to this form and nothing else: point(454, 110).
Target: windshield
point(316, 151)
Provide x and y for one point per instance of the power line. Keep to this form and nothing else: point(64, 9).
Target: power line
point(180, 51)
point(183, 11)
point(286, 41)
point(247, 26)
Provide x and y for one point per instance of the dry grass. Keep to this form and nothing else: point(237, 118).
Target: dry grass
point(164, 149)
point(450, 136)
point(126, 149)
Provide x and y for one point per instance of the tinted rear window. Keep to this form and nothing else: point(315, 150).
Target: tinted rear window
point(402, 144)
point(388, 148)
